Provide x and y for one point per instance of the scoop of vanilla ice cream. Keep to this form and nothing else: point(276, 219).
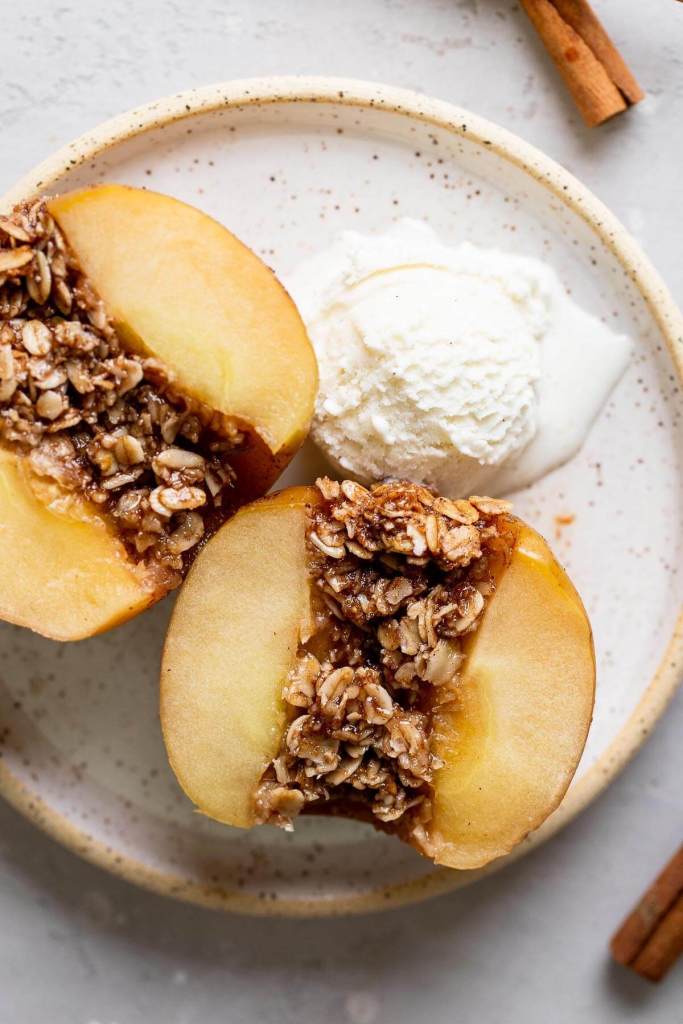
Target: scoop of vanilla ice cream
point(428, 355)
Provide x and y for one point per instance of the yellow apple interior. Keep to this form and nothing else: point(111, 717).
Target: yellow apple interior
point(156, 374)
point(74, 572)
point(184, 289)
point(231, 727)
point(512, 739)
point(386, 654)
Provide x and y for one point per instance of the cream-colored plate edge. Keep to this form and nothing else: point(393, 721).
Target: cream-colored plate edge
point(569, 190)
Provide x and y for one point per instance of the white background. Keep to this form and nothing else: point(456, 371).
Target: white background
point(530, 944)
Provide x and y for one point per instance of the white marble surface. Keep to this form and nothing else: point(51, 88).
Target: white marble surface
point(528, 945)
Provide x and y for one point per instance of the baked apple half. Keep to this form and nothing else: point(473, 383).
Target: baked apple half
point(154, 375)
point(386, 654)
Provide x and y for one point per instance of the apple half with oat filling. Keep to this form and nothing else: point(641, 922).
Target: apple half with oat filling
point(385, 654)
point(154, 376)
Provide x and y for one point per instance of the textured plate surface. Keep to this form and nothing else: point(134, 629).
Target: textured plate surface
point(286, 164)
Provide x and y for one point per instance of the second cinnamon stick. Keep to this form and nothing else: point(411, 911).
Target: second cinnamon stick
point(591, 66)
point(651, 937)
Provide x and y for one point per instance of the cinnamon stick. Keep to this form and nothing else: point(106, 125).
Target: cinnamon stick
point(664, 947)
point(590, 64)
point(651, 937)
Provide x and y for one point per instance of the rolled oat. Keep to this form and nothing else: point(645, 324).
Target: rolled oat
point(401, 577)
point(94, 417)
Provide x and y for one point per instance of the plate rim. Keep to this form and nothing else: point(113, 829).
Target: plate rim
point(574, 195)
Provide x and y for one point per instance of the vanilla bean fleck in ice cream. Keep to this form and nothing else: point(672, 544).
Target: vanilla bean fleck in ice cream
point(457, 367)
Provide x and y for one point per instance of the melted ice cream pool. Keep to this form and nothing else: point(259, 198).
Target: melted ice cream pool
point(464, 368)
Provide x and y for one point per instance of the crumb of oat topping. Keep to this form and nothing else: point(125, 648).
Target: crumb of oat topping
point(382, 653)
point(116, 305)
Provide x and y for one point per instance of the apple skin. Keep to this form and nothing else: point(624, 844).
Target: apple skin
point(511, 742)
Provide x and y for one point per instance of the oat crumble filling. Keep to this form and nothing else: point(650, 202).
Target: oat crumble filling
point(400, 579)
point(96, 418)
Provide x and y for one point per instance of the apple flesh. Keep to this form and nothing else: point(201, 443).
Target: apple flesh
point(510, 743)
point(65, 574)
point(181, 288)
point(228, 651)
point(513, 739)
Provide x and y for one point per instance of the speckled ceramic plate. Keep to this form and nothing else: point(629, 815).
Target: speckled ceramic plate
point(286, 164)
